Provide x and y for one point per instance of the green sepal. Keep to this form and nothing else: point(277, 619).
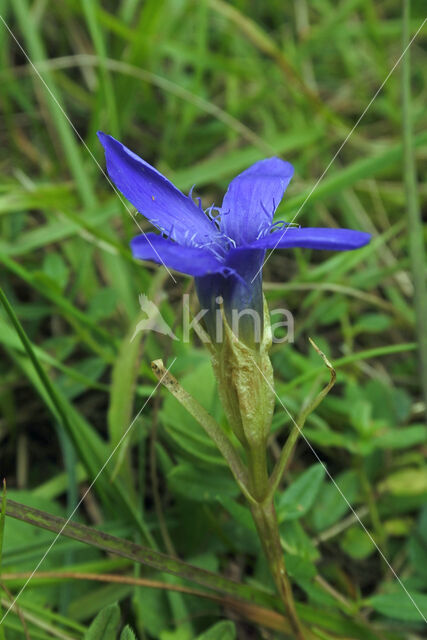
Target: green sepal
point(246, 384)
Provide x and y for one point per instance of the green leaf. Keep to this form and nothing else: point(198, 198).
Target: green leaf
point(123, 381)
point(372, 323)
point(330, 505)
point(224, 630)
point(240, 513)
point(316, 594)
point(56, 269)
point(398, 527)
point(356, 543)
point(105, 625)
point(87, 605)
point(201, 485)
point(361, 418)
point(241, 528)
point(152, 611)
point(335, 622)
point(328, 438)
point(399, 606)
point(299, 497)
point(406, 482)
point(328, 313)
point(394, 405)
point(179, 633)
point(296, 542)
point(86, 372)
point(300, 568)
point(103, 303)
point(300, 551)
point(127, 634)
point(18, 535)
point(402, 437)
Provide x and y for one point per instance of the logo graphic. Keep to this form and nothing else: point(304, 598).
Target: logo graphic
point(282, 329)
point(154, 320)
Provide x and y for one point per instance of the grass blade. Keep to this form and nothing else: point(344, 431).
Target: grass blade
point(36, 52)
point(415, 227)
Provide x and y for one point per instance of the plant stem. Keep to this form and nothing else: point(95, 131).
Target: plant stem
point(263, 511)
point(265, 519)
point(257, 468)
point(136, 553)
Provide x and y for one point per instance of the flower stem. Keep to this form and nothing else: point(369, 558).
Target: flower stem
point(257, 468)
point(263, 511)
point(265, 519)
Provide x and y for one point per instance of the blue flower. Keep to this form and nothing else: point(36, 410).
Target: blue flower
point(223, 248)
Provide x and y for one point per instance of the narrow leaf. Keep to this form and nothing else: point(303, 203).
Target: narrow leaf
point(105, 625)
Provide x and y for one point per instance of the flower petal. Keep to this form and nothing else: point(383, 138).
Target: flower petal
point(190, 260)
point(313, 238)
point(252, 198)
point(154, 195)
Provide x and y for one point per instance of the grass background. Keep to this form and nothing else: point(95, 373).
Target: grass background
point(202, 90)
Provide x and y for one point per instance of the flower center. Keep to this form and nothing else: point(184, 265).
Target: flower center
point(276, 226)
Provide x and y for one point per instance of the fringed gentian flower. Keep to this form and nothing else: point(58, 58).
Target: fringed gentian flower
point(223, 248)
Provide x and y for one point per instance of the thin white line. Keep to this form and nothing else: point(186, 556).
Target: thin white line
point(86, 492)
point(342, 145)
point(117, 192)
point(343, 496)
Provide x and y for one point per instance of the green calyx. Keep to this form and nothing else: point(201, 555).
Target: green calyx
point(245, 385)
